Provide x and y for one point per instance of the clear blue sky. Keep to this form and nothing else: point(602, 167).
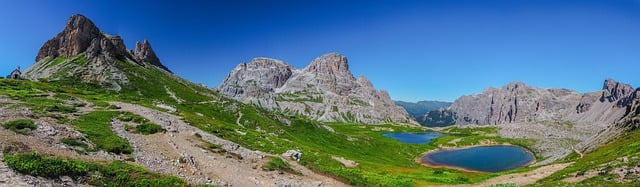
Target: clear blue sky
point(417, 50)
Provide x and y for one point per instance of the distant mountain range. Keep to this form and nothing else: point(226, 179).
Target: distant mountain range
point(418, 109)
point(425, 112)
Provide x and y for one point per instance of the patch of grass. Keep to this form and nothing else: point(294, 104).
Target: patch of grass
point(97, 127)
point(300, 97)
point(130, 117)
point(36, 165)
point(118, 173)
point(358, 102)
point(149, 128)
point(115, 173)
point(277, 164)
point(144, 126)
point(56, 61)
point(61, 108)
point(628, 144)
point(75, 142)
point(21, 126)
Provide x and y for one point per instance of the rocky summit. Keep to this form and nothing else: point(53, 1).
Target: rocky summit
point(84, 53)
point(324, 90)
point(144, 53)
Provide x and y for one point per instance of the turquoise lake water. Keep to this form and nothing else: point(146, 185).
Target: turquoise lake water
point(407, 137)
point(483, 158)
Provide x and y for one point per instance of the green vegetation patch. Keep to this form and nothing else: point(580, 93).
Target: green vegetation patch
point(603, 157)
point(36, 165)
point(115, 173)
point(55, 61)
point(21, 126)
point(300, 97)
point(144, 126)
point(97, 127)
point(75, 142)
point(277, 164)
point(118, 173)
point(149, 128)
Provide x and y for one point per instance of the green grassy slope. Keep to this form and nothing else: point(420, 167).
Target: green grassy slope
point(607, 158)
point(381, 161)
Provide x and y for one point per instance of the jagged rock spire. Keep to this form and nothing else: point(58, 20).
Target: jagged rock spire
point(144, 53)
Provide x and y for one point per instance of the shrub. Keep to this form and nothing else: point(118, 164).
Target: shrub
point(149, 128)
point(34, 164)
point(116, 173)
point(20, 126)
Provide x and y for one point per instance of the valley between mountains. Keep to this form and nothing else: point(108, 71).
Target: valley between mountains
point(91, 112)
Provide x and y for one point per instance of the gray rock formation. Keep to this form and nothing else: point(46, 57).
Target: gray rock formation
point(325, 90)
point(517, 102)
point(630, 121)
point(257, 79)
point(558, 119)
point(613, 91)
point(81, 52)
point(144, 53)
point(76, 37)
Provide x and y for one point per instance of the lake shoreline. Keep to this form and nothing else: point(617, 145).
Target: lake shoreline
point(419, 159)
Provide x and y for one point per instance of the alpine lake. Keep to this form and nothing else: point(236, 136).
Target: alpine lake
point(495, 158)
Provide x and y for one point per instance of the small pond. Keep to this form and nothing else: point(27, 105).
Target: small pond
point(417, 137)
point(482, 158)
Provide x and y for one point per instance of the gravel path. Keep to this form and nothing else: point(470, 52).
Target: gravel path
point(161, 152)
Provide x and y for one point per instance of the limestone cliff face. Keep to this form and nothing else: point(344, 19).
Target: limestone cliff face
point(324, 90)
point(257, 80)
point(81, 52)
point(76, 37)
point(629, 122)
point(518, 102)
point(515, 102)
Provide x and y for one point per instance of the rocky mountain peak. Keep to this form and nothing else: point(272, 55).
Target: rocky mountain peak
point(89, 55)
point(265, 62)
point(331, 72)
point(613, 90)
point(144, 53)
point(325, 90)
point(76, 37)
point(331, 63)
point(513, 86)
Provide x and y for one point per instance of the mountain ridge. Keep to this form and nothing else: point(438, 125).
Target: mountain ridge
point(324, 90)
point(83, 53)
point(519, 102)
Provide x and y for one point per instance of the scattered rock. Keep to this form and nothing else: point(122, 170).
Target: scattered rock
point(293, 154)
